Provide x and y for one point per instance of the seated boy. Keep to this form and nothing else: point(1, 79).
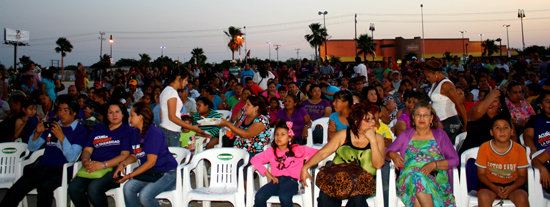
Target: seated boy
point(187, 136)
point(502, 167)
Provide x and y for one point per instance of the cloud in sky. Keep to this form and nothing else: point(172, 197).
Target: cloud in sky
point(143, 26)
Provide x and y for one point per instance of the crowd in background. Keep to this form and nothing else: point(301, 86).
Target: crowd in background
point(394, 98)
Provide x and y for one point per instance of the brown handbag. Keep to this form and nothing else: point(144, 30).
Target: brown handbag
point(345, 180)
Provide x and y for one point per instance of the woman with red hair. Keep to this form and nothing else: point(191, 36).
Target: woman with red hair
point(359, 143)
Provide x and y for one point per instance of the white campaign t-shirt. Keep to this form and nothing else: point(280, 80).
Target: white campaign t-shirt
point(361, 68)
point(167, 94)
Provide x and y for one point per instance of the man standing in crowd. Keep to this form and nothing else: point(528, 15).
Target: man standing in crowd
point(234, 69)
point(80, 75)
point(360, 68)
point(247, 72)
point(72, 91)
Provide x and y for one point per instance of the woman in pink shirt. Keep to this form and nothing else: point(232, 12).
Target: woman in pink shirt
point(286, 159)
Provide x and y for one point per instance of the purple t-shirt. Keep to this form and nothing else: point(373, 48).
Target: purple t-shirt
point(154, 144)
point(315, 111)
point(108, 144)
point(297, 119)
point(53, 156)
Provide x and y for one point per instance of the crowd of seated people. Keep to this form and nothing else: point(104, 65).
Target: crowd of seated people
point(395, 111)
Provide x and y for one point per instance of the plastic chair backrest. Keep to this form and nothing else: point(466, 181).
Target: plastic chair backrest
point(459, 139)
point(10, 155)
point(223, 165)
point(538, 153)
point(521, 141)
point(324, 161)
point(392, 123)
point(224, 114)
point(466, 155)
point(180, 154)
point(324, 123)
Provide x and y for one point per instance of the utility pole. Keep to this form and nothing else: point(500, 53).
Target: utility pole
point(521, 15)
point(463, 47)
point(355, 34)
point(423, 43)
point(325, 39)
point(371, 28)
point(507, 39)
point(101, 39)
point(277, 49)
point(297, 54)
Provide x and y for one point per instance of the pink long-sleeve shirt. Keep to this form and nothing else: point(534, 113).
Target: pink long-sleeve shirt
point(286, 166)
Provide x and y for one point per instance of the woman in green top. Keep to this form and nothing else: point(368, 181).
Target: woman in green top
point(205, 110)
point(359, 143)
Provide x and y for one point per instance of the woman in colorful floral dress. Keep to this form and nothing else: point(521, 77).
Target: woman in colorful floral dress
point(520, 109)
point(426, 159)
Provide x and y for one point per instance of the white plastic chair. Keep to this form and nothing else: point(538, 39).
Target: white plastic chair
point(225, 185)
point(394, 200)
point(303, 198)
point(324, 123)
point(376, 200)
point(521, 141)
point(544, 198)
point(225, 114)
point(470, 198)
point(459, 140)
point(392, 123)
point(10, 157)
point(174, 196)
point(60, 193)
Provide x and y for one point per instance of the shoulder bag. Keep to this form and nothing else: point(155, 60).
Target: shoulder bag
point(345, 180)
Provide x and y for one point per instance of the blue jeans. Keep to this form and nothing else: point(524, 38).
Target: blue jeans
point(82, 189)
point(326, 201)
point(285, 189)
point(172, 138)
point(147, 190)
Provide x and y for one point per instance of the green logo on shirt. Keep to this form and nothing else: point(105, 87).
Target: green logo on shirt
point(9, 150)
point(225, 157)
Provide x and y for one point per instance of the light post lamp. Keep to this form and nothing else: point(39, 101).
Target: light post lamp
point(423, 43)
point(463, 47)
point(481, 42)
point(111, 41)
point(162, 51)
point(521, 15)
point(325, 26)
point(507, 38)
point(371, 28)
point(269, 43)
point(466, 51)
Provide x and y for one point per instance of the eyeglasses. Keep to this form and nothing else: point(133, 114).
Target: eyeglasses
point(422, 116)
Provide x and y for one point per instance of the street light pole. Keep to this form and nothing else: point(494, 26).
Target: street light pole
point(507, 38)
point(371, 28)
point(101, 39)
point(111, 41)
point(325, 26)
point(481, 40)
point(521, 15)
point(277, 49)
point(245, 51)
point(162, 51)
point(355, 34)
point(423, 43)
point(269, 43)
point(463, 47)
point(297, 53)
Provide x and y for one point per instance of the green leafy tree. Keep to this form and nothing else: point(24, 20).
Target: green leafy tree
point(489, 47)
point(409, 55)
point(24, 60)
point(145, 59)
point(541, 50)
point(316, 37)
point(447, 55)
point(334, 60)
point(197, 54)
point(236, 39)
point(366, 45)
point(164, 61)
point(127, 62)
point(103, 63)
point(63, 47)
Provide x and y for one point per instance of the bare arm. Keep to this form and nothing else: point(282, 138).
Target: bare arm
point(172, 116)
point(254, 129)
point(450, 91)
point(400, 126)
point(385, 116)
point(328, 111)
point(528, 139)
point(538, 162)
point(331, 129)
point(481, 108)
point(43, 87)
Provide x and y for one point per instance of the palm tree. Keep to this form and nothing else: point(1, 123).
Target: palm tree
point(145, 59)
point(447, 55)
point(489, 47)
point(63, 47)
point(316, 38)
point(366, 45)
point(235, 39)
point(197, 54)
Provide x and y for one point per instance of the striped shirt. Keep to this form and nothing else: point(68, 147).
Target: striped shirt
point(212, 130)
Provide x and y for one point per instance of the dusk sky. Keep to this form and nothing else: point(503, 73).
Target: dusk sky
point(141, 26)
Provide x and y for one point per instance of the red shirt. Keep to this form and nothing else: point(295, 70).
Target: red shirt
point(255, 89)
